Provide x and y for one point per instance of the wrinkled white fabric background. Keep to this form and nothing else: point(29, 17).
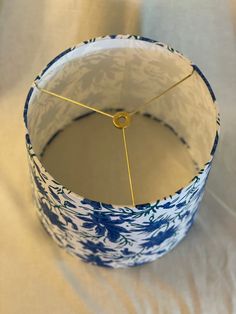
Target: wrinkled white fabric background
point(199, 276)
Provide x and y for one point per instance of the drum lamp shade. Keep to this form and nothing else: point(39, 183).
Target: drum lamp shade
point(117, 73)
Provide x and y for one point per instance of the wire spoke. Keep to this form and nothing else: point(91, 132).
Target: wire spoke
point(128, 166)
point(73, 101)
point(164, 92)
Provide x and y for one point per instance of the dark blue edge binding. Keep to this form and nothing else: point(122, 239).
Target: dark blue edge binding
point(196, 68)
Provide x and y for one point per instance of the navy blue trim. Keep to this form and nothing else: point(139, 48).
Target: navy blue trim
point(215, 143)
point(27, 138)
point(112, 36)
point(27, 105)
point(50, 141)
point(170, 128)
point(83, 116)
point(55, 59)
point(146, 39)
point(218, 120)
point(196, 68)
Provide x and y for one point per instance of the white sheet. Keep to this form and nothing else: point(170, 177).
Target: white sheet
point(199, 276)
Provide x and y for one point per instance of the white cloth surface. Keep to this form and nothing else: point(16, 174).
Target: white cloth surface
point(199, 275)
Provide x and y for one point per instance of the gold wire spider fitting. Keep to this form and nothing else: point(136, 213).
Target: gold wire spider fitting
point(121, 119)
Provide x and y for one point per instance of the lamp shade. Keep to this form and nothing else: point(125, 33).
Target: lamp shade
point(117, 73)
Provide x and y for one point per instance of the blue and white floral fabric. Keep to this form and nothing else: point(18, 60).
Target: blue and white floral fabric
point(109, 235)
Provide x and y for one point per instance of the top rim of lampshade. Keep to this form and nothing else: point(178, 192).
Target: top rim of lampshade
point(133, 37)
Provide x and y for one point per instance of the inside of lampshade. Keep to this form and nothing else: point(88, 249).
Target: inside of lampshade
point(121, 75)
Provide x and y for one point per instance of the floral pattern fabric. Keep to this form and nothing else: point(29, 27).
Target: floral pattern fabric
point(109, 235)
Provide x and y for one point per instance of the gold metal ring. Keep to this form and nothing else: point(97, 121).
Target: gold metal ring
point(121, 119)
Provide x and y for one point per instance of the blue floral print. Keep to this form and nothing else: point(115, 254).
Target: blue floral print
point(105, 234)
point(95, 247)
point(159, 238)
point(104, 225)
